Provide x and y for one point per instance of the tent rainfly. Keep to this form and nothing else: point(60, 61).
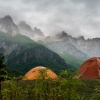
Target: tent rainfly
point(90, 69)
point(38, 73)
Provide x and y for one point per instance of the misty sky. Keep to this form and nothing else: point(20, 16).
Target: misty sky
point(76, 17)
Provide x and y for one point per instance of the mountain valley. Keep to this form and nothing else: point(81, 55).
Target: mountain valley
point(25, 47)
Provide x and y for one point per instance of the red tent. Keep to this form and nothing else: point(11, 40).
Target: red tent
point(90, 68)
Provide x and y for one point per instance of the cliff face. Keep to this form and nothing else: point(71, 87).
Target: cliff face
point(78, 47)
point(8, 26)
point(91, 46)
point(7, 48)
point(26, 30)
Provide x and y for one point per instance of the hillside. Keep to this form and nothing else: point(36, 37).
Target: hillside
point(73, 50)
point(22, 54)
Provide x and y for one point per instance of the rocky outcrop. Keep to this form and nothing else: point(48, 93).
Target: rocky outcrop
point(78, 47)
point(37, 32)
point(25, 29)
point(7, 48)
point(8, 26)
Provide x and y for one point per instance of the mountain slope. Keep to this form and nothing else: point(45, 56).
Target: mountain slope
point(37, 56)
point(64, 45)
point(68, 52)
point(73, 50)
point(22, 54)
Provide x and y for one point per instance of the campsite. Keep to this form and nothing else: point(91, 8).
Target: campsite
point(49, 49)
point(41, 83)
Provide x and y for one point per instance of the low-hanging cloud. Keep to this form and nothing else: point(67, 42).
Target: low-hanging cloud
point(76, 17)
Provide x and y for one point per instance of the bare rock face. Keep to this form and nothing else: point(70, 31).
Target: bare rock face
point(37, 32)
point(25, 29)
point(8, 26)
point(7, 48)
point(79, 47)
point(90, 46)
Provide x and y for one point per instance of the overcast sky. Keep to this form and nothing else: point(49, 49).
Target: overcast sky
point(76, 17)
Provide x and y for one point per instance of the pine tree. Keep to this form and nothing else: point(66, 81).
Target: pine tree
point(3, 72)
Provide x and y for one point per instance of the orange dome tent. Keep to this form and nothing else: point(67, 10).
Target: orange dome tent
point(36, 72)
point(90, 68)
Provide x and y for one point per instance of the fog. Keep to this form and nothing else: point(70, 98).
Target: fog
point(76, 17)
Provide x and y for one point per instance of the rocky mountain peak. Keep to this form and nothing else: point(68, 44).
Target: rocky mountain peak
point(8, 26)
point(6, 20)
point(38, 31)
point(23, 25)
point(63, 36)
point(8, 17)
point(64, 33)
point(25, 29)
point(81, 38)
